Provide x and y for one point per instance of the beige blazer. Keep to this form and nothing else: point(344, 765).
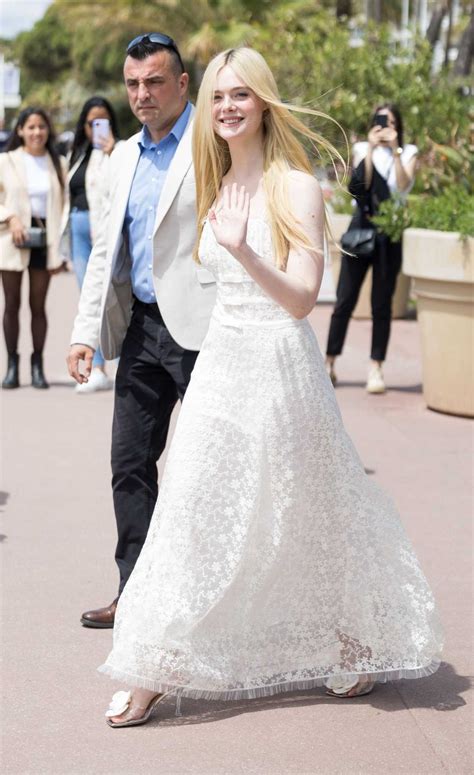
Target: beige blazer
point(14, 200)
point(184, 291)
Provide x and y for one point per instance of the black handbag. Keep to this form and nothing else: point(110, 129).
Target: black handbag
point(359, 242)
point(36, 237)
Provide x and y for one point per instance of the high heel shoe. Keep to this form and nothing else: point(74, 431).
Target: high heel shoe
point(120, 704)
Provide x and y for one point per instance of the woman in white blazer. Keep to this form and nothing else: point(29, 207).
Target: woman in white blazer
point(32, 194)
point(88, 169)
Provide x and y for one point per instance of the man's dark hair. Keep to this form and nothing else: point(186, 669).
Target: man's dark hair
point(146, 49)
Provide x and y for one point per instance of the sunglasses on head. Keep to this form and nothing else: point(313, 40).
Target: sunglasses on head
point(156, 37)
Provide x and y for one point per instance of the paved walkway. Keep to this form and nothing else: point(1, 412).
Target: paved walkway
point(58, 534)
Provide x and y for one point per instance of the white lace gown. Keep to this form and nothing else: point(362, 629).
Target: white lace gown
point(272, 562)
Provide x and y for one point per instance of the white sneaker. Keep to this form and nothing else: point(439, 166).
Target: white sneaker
point(375, 383)
point(97, 381)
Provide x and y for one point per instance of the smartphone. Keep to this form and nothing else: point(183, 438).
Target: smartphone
point(100, 131)
point(381, 120)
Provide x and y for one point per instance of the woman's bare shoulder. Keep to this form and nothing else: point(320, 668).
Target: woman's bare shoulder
point(302, 186)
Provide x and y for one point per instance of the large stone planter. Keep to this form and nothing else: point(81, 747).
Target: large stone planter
point(442, 267)
point(339, 224)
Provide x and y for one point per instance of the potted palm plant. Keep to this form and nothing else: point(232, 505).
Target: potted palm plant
point(438, 253)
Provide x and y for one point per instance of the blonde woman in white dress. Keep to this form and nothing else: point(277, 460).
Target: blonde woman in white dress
point(272, 562)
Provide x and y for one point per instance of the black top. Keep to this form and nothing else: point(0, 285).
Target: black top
point(368, 200)
point(77, 186)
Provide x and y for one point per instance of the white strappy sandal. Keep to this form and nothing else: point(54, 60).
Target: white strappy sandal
point(340, 687)
point(120, 704)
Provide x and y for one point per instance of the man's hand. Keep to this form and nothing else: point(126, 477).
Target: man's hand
point(80, 352)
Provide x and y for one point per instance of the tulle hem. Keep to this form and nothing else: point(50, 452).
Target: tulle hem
point(207, 693)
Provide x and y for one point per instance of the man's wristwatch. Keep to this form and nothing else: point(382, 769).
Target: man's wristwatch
point(398, 151)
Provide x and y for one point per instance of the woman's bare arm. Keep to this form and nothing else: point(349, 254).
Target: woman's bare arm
point(296, 290)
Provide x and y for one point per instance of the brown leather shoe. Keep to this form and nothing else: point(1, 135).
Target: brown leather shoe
point(100, 618)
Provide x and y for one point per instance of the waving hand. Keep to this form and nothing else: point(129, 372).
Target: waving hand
point(229, 221)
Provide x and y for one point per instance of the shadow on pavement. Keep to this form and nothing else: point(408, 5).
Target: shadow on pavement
point(343, 383)
point(53, 383)
point(440, 691)
point(66, 382)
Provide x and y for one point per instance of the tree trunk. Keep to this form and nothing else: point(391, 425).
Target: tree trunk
point(343, 8)
point(448, 33)
point(466, 49)
point(377, 11)
point(434, 28)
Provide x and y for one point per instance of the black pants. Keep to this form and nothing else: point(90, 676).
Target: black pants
point(153, 372)
point(386, 265)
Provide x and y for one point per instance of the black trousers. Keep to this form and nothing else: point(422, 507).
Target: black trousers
point(153, 373)
point(386, 264)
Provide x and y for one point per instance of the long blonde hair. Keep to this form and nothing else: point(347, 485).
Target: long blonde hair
point(282, 151)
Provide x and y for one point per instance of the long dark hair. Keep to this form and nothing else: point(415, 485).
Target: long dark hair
point(81, 142)
point(16, 141)
point(395, 111)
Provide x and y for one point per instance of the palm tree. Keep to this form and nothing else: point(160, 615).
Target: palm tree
point(466, 49)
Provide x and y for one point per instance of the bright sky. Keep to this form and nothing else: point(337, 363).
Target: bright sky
point(19, 15)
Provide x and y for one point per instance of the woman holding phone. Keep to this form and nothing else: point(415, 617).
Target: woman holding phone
point(95, 138)
point(382, 166)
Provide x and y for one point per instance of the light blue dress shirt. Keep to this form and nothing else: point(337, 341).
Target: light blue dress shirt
point(147, 185)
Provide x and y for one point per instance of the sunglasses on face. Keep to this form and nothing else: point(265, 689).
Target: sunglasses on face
point(156, 37)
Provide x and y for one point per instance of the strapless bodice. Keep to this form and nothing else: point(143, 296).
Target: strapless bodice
point(240, 299)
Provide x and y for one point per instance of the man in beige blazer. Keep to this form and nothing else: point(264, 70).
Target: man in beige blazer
point(143, 297)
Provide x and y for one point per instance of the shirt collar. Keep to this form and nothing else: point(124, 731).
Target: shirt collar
point(177, 131)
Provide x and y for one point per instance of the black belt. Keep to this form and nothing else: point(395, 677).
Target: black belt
point(150, 308)
point(150, 304)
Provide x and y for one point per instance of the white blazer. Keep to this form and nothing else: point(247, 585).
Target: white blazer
point(14, 200)
point(96, 177)
point(185, 292)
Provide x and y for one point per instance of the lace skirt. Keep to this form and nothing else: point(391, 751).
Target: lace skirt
point(273, 562)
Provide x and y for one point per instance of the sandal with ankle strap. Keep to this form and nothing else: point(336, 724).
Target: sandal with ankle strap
point(341, 688)
point(120, 704)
